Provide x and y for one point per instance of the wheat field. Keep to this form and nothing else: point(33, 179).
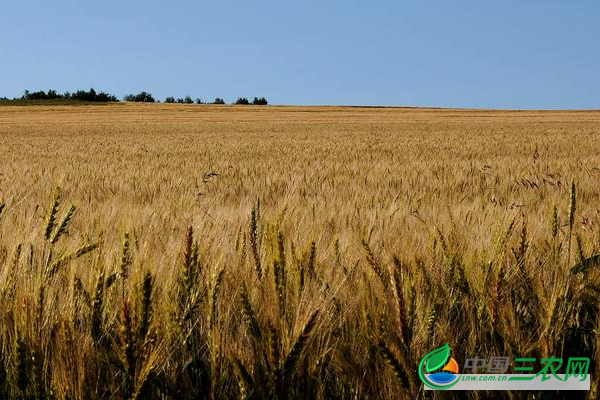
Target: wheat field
point(214, 252)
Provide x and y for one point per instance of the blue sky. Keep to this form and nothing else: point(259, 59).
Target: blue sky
point(484, 53)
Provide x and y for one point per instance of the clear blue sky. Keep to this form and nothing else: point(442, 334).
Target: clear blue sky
point(476, 53)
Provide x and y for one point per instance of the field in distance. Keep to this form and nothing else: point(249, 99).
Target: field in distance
point(281, 252)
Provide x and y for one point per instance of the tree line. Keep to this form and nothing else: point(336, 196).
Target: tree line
point(80, 95)
point(141, 97)
point(257, 101)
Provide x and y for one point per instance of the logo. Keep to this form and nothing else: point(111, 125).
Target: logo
point(444, 379)
point(439, 371)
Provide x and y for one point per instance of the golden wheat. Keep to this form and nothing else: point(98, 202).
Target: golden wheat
point(289, 252)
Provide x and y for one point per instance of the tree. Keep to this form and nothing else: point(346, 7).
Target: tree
point(260, 101)
point(40, 95)
point(188, 100)
point(170, 99)
point(242, 101)
point(80, 95)
point(52, 94)
point(199, 100)
point(218, 100)
point(142, 97)
point(146, 97)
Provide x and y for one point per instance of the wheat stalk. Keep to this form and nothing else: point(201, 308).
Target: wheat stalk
point(63, 225)
point(51, 217)
point(291, 360)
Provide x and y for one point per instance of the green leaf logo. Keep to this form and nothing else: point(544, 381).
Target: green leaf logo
point(437, 358)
